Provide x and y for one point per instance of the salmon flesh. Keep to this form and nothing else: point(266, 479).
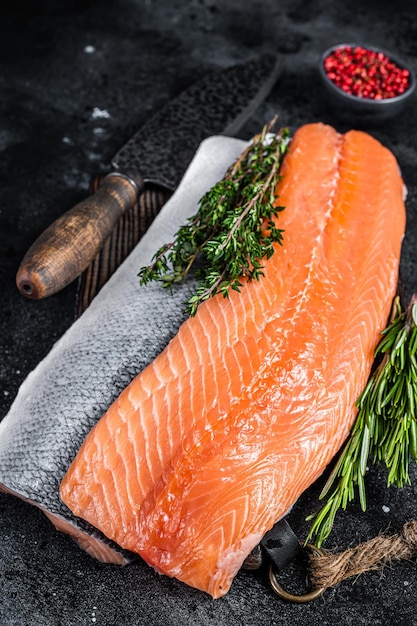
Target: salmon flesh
point(218, 436)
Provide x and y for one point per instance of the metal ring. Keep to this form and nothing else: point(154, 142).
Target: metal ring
point(126, 177)
point(290, 597)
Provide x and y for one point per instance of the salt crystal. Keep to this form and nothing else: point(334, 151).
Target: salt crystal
point(89, 49)
point(100, 114)
point(386, 509)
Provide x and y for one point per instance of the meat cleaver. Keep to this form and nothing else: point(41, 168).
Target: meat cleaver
point(158, 153)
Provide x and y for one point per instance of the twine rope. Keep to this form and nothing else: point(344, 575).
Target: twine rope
point(329, 569)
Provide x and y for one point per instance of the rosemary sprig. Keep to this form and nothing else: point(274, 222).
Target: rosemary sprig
point(234, 227)
point(385, 429)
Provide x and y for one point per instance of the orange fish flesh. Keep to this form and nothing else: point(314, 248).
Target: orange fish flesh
point(216, 439)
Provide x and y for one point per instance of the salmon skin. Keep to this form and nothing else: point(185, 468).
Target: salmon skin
point(123, 329)
point(216, 439)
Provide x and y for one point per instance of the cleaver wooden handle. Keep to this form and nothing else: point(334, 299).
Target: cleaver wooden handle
point(63, 251)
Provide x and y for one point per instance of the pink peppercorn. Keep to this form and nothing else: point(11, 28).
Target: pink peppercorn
point(366, 73)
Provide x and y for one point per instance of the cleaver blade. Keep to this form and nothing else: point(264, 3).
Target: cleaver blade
point(220, 103)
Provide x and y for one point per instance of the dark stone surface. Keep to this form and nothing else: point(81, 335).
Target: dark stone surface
point(142, 53)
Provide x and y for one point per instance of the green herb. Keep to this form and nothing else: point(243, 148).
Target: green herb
point(385, 429)
point(233, 229)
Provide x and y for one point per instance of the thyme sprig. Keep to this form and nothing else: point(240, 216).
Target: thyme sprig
point(234, 228)
point(385, 429)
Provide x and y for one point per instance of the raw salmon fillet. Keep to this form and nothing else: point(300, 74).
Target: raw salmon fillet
point(217, 438)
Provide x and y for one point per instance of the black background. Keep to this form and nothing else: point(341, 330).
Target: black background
point(59, 61)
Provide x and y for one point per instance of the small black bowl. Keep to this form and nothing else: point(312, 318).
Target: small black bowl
point(364, 111)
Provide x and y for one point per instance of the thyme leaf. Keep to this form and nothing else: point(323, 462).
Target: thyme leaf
point(234, 228)
point(385, 429)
